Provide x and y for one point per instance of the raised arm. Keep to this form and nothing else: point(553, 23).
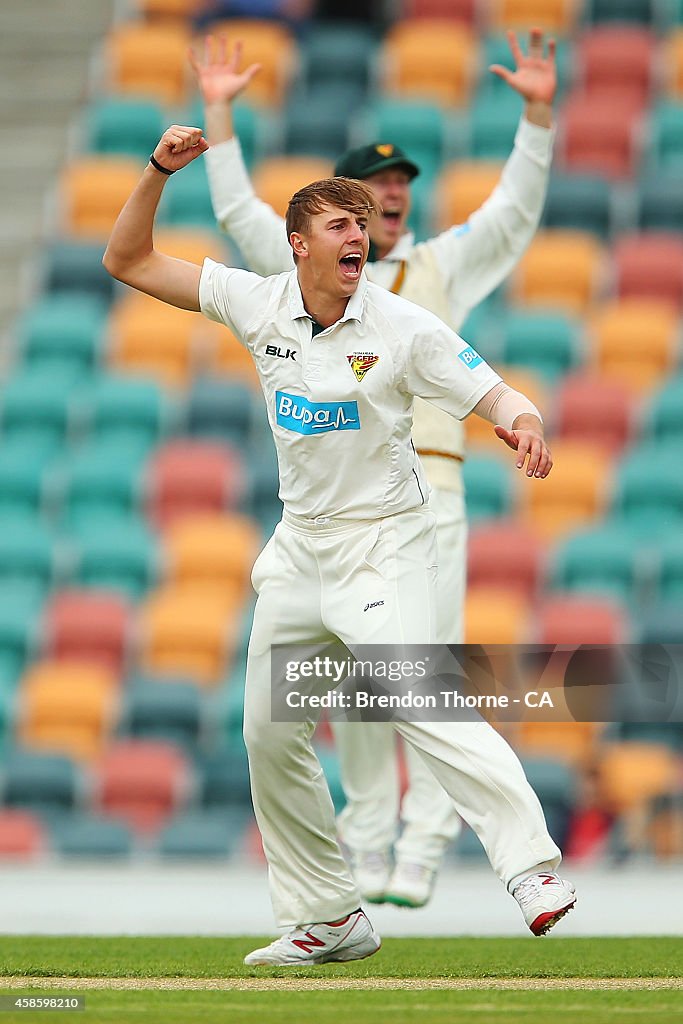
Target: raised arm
point(253, 225)
point(130, 255)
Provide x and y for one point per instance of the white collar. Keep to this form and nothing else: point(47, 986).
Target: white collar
point(401, 250)
point(354, 307)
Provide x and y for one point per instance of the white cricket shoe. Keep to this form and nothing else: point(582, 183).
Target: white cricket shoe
point(544, 898)
point(371, 873)
point(352, 938)
point(410, 885)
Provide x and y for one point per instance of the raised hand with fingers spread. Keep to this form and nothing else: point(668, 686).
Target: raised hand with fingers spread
point(535, 75)
point(217, 70)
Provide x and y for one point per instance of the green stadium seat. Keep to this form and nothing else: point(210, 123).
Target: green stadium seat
point(310, 128)
point(338, 51)
point(649, 488)
point(123, 126)
point(555, 784)
point(262, 500)
point(660, 201)
point(580, 201)
point(24, 473)
point(103, 482)
point(665, 149)
point(63, 331)
point(199, 835)
point(222, 410)
point(493, 124)
point(187, 200)
point(28, 558)
point(43, 783)
point(19, 631)
point(670, 570)
point(128, 412)
point(117, 555)
point(91, 836)
point(224, 778)
point(488, 487)
point(496, 50)
point(252, 127)
point(674, 12)
point(662, 623)
point(546, 343)
point(35, 407)
point(663, 419)
point(419, 128)
point(640, 11)
point(603, 560)
point(77, 267)
point(163, 709)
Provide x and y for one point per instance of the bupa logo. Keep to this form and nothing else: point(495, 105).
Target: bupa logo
point(294, 412)
point(470, 358)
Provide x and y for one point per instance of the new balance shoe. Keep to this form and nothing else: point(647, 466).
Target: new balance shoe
point(352, 938)
point(544, 899)
point(371, 872)
point(410, 885)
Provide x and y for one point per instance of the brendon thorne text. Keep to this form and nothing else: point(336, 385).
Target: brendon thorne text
point(432, 683)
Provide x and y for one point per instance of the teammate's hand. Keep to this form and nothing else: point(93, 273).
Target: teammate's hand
point(179, 146)
point(217, 70)
point(528, 443)
point(535, 76)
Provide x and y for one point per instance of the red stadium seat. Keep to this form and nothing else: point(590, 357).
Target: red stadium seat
point(504, 553)
point(21, 835)
point(594, 409)
point(190, 477)
point(599, 133)
point(619, 58)
point(143, 782)
point(567, 619)
point(650, 265)
point(451, 10)
point(87, 625)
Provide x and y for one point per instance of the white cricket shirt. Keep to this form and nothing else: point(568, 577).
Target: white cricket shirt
point(340, 404)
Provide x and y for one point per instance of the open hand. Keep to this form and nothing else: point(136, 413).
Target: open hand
point(528, 443)
point(535, 76)
point(179, 146)
point(217, 70)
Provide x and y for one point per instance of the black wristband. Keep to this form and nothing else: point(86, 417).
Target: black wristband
point(155, 163)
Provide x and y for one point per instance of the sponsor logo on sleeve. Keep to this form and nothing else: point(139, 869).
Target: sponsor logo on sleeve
point(470, 358)
point(294, 412)
point(361, 362)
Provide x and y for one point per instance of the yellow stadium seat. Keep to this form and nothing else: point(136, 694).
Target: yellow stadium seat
point(560, 269)
point(270, 44)
point(93, 190)
point(495, 615)
point(429, 58)
point(192, 244)
point(187, 630)
point(67, 706)
point(479, 432)
point(630, 774)
point(176, 11)
point(634, 342)
point(150, 338)
point(461, 189)
point(225, 356)
point(673, 63)
point(573, 742)
point(551, 15)
point(278, 178)
point(212, 551)
point(149, 59)
point(572, 495)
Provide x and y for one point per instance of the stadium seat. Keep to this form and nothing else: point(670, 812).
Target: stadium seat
point(619, 58)
point(24, 474)
point(496, 50)
point(599, 134)
point(142, 783)
point(175, 11)
point(638, 11)
point(503, 553)
point(604, 560)
point(338, 51)
point(572, 496)
point(579, 201)
point(102, 483)
point(127, 411)
point(71, 266)
point(62, 331)
point(492, 125)
point(163, 709)
point(35, 408)
point(663, 419)
point(496, 615)
point(187, 631)
point(660, 203)
point(120, 555)
point(22, 836)
point(189, 243)
point(87, 625)
point(432, 59)
point(68, 707)
point(42, 783)
point(550, 15)
point(187, 200)
point(188, 477)
point(650, 265)
point(673, 63)
point(270, 44)
point(150, 338)
point(461, 188)
point(419, 128)
point(307, 127)
point(19, 632)
point(560, 269)
point(222, 410)
point(648, 491)
point(212, 551)
point(224, 778)
point(126, 126)
point(197, 834)
point(253, 127)
point(631, 774)
point(572, 619)
point(277, 178)
point(572, 743)
point(28, 558)
point(633, 342)
point(545, 343)
point(148, 60)
point(261, 500)
point(661, 623)
point(93, 190)
point(465, 11)
point(225, 357)
point(670, 569)
point(595, 410)
point(488, 487)
point(665, 148)
point(91, 836)
point(556, 783)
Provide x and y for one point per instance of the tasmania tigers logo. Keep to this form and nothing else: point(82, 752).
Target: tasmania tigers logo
point(361, 362)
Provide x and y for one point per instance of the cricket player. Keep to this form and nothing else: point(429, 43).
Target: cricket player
point(448, 275)
point(354, 556)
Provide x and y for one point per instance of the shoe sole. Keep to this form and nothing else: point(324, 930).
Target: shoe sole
point(313, 962)
point(375, 897)
point(544, 922)
point(404, 901)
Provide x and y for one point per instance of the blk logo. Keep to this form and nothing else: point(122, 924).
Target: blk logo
point(275, 350)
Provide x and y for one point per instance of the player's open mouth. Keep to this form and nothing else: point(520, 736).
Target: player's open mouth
point(392, 217)
point(351, 264)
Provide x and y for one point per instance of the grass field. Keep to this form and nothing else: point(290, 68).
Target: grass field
point(155, 980)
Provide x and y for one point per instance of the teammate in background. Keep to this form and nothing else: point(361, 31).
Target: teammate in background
point(448, 275)
point(354, 557)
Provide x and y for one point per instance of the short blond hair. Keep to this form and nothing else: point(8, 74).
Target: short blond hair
point(348, 194)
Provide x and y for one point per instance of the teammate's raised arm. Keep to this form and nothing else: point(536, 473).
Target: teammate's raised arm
point(220, 81)
point(130, 255)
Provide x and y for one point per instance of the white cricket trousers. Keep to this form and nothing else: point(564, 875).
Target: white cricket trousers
point(367, 750)
point(314, 583)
